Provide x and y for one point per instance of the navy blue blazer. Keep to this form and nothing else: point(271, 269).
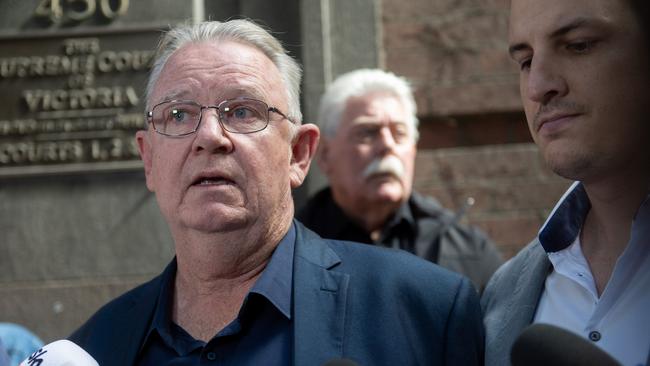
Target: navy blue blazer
point(373, 305)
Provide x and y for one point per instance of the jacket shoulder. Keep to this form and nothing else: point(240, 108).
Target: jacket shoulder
point(395, 269)
point(104, 327)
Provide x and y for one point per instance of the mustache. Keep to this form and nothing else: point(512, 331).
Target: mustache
point(554, 106)
point(389, 164)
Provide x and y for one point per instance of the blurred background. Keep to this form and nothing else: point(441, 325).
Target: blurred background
point(77, 224)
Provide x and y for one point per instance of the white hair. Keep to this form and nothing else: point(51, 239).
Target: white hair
point(360, 83)
point(239, 30)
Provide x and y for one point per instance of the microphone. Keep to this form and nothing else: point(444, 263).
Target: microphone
point(60, 353)
point(340, 362)
point(544, 344)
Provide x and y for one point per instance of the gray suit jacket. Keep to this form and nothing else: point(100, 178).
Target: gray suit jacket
point(510, 301)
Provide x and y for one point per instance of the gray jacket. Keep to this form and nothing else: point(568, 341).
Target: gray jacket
point(510, 301)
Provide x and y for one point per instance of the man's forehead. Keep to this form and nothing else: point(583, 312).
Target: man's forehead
point(227, 68)
point(367, 120)
point(374, 108)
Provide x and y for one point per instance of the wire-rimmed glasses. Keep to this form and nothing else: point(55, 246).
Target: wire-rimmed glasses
point(182, 117)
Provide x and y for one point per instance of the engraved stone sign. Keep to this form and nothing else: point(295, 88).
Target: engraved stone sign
point(72, 102)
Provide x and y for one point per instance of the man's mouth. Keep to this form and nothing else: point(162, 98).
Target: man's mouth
point(555, 119)
point(210, 181)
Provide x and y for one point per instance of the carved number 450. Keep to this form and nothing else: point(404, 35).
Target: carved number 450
point(80, 9)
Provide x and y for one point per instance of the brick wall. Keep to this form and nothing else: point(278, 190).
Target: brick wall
point(454, 52)
point(513, 190)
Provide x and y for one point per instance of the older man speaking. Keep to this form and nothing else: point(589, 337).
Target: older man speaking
point(249, 285)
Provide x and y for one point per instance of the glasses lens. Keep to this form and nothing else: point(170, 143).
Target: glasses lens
point(176, 118)
point(244, 115)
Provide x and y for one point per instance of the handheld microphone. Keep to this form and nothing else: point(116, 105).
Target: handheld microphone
point(60, 353)
point(544, 344)
point(340, 362)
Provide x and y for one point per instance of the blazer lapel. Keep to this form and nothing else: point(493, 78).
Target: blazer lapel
point(119, 339)
point(320, 299)
point(134, 323)
point(133, 337)
point(525, 297)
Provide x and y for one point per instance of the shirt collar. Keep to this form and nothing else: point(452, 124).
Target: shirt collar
point(565, 221)
point(339, 222)
point(403, 214)
point(275, 284)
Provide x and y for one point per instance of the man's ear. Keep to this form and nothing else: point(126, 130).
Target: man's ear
point(146, 154)
point(303, 147)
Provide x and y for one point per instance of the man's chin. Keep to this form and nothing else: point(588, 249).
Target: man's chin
point(389, 192)
point(216, 219)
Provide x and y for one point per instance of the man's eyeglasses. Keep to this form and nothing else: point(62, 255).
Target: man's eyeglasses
point(183, 117)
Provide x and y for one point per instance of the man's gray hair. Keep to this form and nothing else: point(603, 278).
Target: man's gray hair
point(239, 30)
point(360, 83)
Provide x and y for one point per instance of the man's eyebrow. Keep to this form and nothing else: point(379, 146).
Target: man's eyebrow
point(574, 24)
point(517, 47)
point(175, 94)
point(561, 31)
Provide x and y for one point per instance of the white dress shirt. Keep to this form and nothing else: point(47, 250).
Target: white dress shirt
point(619, 320)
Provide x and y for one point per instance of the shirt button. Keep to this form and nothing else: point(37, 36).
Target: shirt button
point(211, 356)
point(594, 336)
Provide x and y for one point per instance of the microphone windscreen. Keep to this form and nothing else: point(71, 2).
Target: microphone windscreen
point(340, 362)
point(544, 344)
point(60, 353)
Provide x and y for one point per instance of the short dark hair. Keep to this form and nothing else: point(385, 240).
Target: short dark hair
point(641, 9)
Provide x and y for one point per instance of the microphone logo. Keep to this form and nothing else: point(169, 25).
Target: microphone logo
point(34, 359)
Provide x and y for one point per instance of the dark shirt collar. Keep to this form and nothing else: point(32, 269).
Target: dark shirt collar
point(274, 284)
point(338, 224)
point(565, 221)
point(404, 214)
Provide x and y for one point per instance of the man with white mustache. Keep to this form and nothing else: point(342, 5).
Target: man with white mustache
point(367, 151)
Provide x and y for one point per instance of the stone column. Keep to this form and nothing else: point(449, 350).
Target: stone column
point(338, 36)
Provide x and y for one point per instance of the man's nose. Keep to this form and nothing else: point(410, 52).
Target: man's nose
point(544, 80)
point(210, 135)
point(386, 140)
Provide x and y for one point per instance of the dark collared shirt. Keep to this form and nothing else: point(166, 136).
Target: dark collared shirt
point(326, 218)
point(260, 335)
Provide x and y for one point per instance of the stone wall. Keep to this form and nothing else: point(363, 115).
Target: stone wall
point(454, 51)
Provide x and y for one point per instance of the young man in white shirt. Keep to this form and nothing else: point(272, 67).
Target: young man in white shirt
point(584, 73)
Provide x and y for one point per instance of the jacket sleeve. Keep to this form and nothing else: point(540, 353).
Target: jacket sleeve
point(465, 335)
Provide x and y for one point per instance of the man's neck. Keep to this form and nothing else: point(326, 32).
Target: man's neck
point(606, 230)
point(214, 275)
point(371, 217)
point(204, 306)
